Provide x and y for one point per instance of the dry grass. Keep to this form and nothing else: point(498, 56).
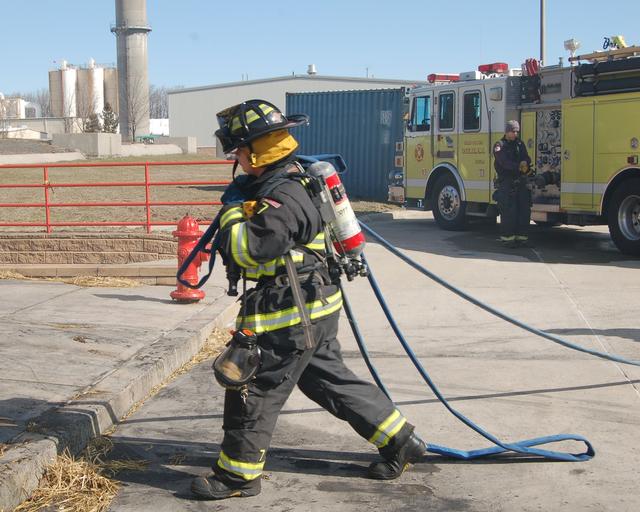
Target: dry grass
point(81, 483)
point(84, 483)
point(107, 282)
point(86, 281)
point(72, 484)
point(160, 173)
point(125, 174)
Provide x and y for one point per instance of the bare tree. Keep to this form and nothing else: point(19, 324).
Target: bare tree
point(41, 98)
point(84, 107)
point(137, 106)
point(158, 102)
point(4, 118)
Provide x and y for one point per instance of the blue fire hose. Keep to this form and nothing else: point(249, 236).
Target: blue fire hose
point(527, 446)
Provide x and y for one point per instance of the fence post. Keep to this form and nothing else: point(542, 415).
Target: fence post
point(46, 199)
point(147, 195)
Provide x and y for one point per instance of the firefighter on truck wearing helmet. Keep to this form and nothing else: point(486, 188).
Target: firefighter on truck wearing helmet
point(513, 165)
point(284, 221)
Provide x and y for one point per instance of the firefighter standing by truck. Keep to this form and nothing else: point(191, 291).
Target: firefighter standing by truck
point(278, 226)
point(513, 165)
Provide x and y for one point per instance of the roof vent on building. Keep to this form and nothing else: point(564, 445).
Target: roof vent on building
point(311, 70)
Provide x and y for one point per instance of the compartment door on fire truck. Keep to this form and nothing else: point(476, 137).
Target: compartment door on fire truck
point(474, 145)
point(576, 189)
point(419, 145)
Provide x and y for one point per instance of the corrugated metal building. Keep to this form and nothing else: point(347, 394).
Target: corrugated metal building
point(192, 111)
point(365, 127)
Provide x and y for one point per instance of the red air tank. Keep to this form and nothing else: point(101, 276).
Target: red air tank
point(348, 238)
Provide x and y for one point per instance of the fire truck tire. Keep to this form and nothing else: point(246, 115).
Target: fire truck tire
point(624, 217)
point(546, 223)
point(449, 210)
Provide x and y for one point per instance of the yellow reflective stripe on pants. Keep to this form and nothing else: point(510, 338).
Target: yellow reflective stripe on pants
point(246, 470)
point(240, 247)
point(267, 322)
point(387, 429)
point(230, 215)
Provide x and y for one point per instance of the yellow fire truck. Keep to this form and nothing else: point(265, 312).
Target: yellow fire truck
point(581, 125)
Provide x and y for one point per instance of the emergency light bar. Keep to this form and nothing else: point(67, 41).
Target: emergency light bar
point(441, 77)
point(495, 67)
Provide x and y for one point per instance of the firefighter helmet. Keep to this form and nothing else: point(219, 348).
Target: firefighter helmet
point(247, 121)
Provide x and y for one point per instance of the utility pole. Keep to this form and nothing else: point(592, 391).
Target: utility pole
point(542, 34)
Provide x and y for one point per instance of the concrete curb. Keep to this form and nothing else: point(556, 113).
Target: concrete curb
point(104, 402)
point(394, 215)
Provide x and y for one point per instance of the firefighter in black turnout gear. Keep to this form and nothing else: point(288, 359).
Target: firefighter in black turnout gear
point(513, 165)
point(278, 223)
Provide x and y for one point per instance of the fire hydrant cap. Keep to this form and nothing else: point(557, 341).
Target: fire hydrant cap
point(188, 226)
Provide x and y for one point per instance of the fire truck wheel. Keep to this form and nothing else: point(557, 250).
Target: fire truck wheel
point(546, 223)
point(448, 206)
point(624, 217)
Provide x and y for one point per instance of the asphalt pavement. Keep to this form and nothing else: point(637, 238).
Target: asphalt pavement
point(517, 386)
point(74, 360)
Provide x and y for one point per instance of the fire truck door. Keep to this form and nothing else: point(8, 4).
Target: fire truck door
point(445, 140)
point(418, 157)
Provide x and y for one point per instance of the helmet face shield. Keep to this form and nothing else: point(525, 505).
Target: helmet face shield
point(239, 362)
point(240, 124)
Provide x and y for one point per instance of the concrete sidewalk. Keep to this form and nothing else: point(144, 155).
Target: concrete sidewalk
point(512, 383)
point(74, 360)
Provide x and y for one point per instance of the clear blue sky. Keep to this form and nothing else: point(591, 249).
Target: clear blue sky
point(201, 42)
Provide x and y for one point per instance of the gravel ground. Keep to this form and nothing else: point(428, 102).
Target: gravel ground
point(25, 147)
point(128, 174)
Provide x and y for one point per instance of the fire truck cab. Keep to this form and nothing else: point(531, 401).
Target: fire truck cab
point(580, 126)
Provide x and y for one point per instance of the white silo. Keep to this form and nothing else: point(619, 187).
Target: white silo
point(69, 77)
point(111, 88)
point(96, 86)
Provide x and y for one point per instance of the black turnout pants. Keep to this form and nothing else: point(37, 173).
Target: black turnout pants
point(321, 375)
point(514, 200)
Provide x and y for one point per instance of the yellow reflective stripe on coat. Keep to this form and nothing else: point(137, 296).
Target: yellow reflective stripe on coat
point(317, 244)
point(240, 247)
point(270, 267)
point(231, 214)
point(267, 322)
point(387, 429)
point(247, 470)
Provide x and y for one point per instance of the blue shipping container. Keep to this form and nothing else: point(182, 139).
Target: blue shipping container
point(365, 127)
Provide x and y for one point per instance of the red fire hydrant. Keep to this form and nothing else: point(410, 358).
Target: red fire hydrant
point(188, 234)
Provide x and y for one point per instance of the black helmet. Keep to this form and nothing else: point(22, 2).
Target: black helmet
point(251, 119)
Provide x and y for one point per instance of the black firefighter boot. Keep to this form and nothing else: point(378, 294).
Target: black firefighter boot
point(407, 448)
point(211, 487)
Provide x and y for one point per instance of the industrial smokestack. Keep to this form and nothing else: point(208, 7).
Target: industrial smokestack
point(131, 31)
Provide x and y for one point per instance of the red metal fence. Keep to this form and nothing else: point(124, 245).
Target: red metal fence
point(47, 186)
